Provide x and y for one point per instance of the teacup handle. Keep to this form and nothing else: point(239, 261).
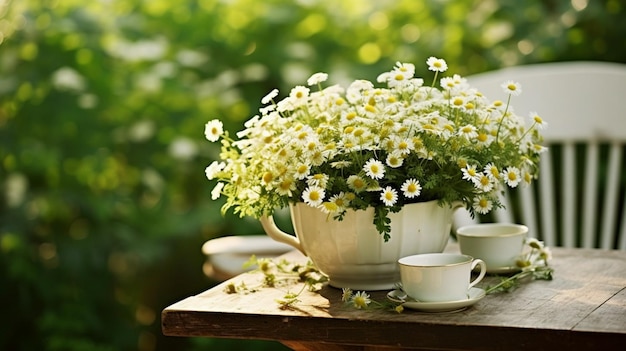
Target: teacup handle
point(481, 275)
point(275, 233)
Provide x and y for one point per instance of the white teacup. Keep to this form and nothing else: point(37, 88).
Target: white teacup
point(439, 277)
point(498, 244)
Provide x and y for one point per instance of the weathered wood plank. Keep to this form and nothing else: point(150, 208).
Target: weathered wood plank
point(584, 307)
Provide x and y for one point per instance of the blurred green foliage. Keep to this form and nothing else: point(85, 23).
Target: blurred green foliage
point(103, 201)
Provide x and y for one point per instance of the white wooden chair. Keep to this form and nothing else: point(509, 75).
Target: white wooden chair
point(579, 198)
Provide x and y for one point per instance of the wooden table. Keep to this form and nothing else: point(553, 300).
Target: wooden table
point(583, 308)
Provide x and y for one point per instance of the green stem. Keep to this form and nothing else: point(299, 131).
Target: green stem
point(507, 281)
point(506, 110)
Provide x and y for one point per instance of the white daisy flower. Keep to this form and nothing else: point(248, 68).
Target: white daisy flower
point(286, 187)
point(491, 170)
point(447, 83)
point(299, 93)
point(534, 243)
point(214, 168)
point(407, 68)
point(302, 171)
point(404, 145)
point(545, 254)
point(213, 130)
point(527, 178)
point(389, 196)
point(484, 138)
point(394, 160)
point(411, 188)
point(468, 132)
point(539, 148)
point(268, 98)
point(469, 172)
point(360, 300)
point(318, 179)
point(483, 183)
point(340, 200)
point(482, 204)
point(313, 196)
point(538, 121)
point(512, 176)
point(346, 294)
point(329, 207)
point(357, 183)
point(383, 77)
point(436, 64)
point(511, 87)
point(217, 191)
point(317, 78)
point(340, 164)
point(398, 78)
point(374, 169)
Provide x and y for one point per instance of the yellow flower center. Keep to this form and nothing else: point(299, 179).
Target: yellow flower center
point(484, 180)
point(358, 184)
point(285, 184)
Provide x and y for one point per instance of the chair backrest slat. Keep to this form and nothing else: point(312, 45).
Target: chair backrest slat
point(527, 199)
point(589, 201)
point(611, 203)
point(546, 201)
point(569, 195)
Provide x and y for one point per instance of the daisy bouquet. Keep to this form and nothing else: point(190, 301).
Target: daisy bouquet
point(404, 141)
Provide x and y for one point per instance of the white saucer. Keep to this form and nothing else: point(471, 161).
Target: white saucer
point(473, 295)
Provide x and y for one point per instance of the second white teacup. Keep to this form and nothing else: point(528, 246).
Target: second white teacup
point(439, 277)
point(498, 244)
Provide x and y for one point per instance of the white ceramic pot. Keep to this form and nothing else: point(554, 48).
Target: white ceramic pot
point(352, 253)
